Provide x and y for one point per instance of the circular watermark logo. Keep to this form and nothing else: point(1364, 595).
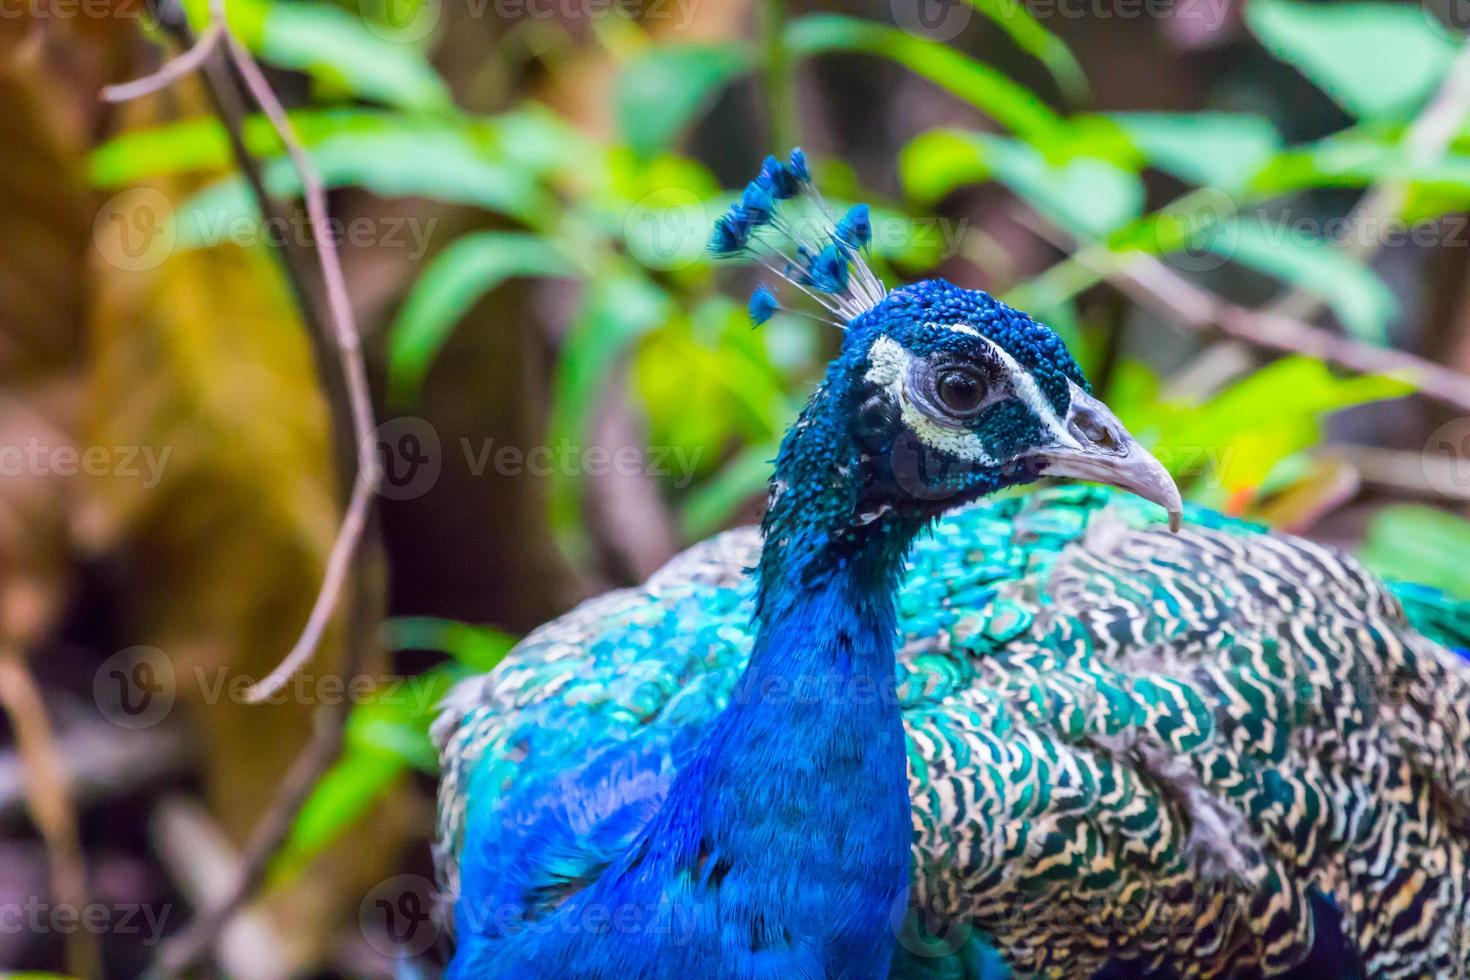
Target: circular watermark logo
point(1200, 234)
point(1450, 18)
point(667, 229)
point(401, 21)
point(397, 917)
point(134, 231)
point(135, 688)
point(923, 472)
point(409, 457)
point(923, 925)
point(932, 20)
point(1446, 459)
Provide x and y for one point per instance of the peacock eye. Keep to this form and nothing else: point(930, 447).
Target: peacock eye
point(960, 391)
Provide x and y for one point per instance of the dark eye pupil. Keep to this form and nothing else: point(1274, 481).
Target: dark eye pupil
point(960, 391)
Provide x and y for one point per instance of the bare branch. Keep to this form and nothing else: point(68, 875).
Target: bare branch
point(48, 800)
point(339, 565)
point(1150, 282)
point(344, 328)
point(172, 70)
point(1155, 284)
point(345, 556)
point(349, 348)
point(1426, 141)
point(205, 863)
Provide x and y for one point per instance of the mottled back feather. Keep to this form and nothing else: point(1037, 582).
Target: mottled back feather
point(1125, 747)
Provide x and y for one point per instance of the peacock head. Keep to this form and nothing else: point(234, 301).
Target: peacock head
point(953, 395)
point(940, 394)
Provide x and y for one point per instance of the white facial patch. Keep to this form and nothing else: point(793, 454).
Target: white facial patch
point(888, 367)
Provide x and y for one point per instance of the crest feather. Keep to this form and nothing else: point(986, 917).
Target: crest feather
point(783, 223)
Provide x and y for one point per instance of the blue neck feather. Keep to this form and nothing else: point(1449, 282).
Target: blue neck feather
point(781, 848)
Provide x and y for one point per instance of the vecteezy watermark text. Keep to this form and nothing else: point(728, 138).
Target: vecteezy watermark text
point(677, 463)
point(945, 20)
point(138, 687)
point(412, 457)
point(409, 21)
point(38, 458)
point(35, 916)
point(400, 917)
point(43, 10)
point(139, 229)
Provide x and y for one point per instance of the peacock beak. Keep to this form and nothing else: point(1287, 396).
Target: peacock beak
point(1095, 446)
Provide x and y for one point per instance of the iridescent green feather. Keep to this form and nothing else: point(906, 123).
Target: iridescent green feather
point(1122, 743)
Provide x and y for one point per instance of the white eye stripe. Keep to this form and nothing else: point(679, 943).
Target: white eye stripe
point(888, 367)
point(963, 328)
point(1022, 383)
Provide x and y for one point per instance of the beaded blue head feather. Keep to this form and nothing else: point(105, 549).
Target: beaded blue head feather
point(782, 222)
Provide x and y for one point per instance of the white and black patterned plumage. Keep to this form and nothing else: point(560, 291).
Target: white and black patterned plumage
point(1127, 749)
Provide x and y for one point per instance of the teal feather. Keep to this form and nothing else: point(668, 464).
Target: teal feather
point(1106, 725)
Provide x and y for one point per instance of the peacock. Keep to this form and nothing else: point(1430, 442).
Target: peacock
point(923, 723)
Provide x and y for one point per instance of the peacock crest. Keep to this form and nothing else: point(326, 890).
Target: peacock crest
point(782, 222)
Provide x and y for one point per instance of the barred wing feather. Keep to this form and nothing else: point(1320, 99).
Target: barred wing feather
point(1128, 749)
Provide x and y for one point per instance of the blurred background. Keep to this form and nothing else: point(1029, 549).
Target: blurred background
point(1250, 219)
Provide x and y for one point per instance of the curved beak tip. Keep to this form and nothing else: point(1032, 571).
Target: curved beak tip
point(1176, 521)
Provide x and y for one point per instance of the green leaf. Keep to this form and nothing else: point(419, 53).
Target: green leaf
point(1240, 434)
point(385, 735)
point(1084, 194)
point(453, 283)
point(1366, 155)
point(245, 17)
point(1030, 36)
point(1361, 300)
point(617, 310)
point(709, 507)
point(530, 140)
point(477, 648)
point(442, 164)
point(344, 795)
point(1374, 59)
point(202, 144)
point(1419, 544)
point(661, 89)
point(1008, 103)
point(337, 47)
point(660, 207)
point(1214, 149)
point(706, 382)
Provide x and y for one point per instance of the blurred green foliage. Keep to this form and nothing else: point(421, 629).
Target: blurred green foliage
point(626, 219)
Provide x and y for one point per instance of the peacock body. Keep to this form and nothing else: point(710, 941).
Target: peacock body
point(1035, 734)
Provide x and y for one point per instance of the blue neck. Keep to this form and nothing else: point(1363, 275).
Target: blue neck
point(797, 800)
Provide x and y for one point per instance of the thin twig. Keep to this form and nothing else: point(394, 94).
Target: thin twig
point(49, 802)
point(349, 348)
point(1426, 141)
point(1418, 473)
point(344, 329)
point(172, 70)
point(204, 862)
point(266, 837)
point(226, 92)
point(96, 762)
point(1153, 284)
point(346, 554)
